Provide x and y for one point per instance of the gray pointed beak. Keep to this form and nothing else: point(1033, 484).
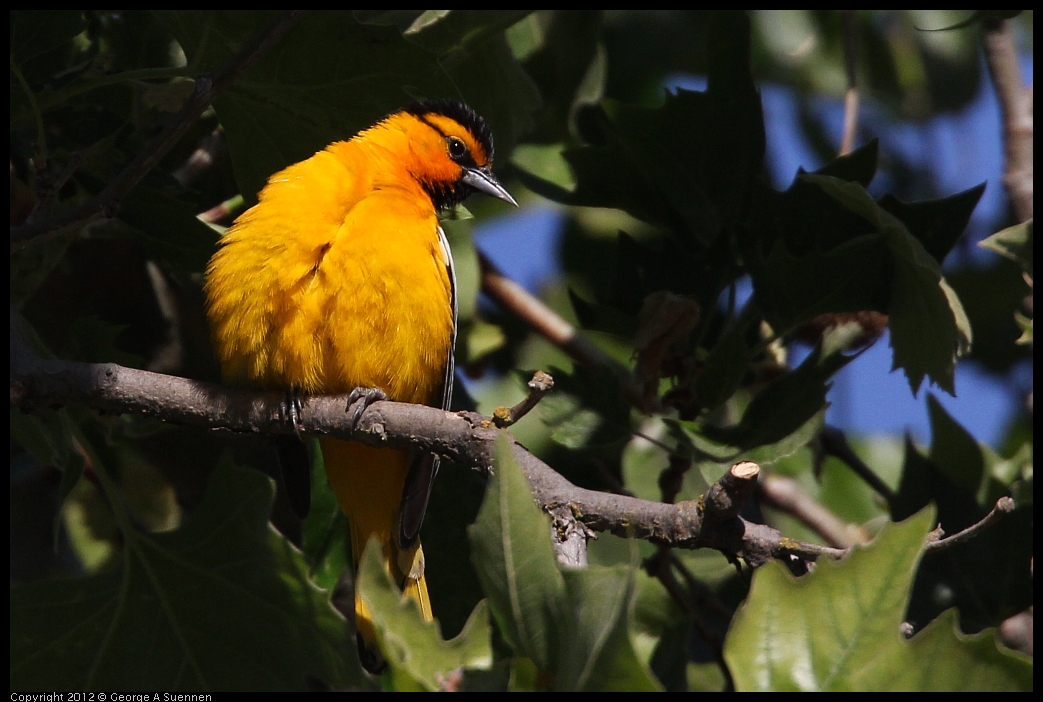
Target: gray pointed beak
point(483, 180)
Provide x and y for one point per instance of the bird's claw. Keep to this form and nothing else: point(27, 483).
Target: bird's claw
point(294, 408)
point(368, 397)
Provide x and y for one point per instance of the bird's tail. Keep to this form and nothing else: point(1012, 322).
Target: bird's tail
point(368, 484)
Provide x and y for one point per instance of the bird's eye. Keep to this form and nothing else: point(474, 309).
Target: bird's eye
point(457, 149)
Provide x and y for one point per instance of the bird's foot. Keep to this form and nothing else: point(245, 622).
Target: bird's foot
point(367, 396)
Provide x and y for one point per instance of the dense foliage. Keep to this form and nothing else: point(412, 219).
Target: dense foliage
point(152, 556)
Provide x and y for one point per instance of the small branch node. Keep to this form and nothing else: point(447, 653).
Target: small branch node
point(540, 385)
point(726, 497)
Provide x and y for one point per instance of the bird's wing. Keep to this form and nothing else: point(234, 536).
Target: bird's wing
point(421, 477)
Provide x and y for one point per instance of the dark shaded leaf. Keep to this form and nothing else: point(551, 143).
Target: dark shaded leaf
point(936, 224)
point(329, 78)
point(954, 450)
point(223, 602)
point(929, 328)
point(858, 166)
point(989, 577)
point(786, 404)
point(598, 655)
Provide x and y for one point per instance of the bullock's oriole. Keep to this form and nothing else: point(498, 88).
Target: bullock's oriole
point(340, 280)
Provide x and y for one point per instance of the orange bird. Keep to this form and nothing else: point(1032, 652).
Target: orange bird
point(340, 280)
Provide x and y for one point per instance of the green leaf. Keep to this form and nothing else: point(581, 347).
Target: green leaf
point(687, 166)
point(511, 548)
point(599, 655)
point(811, 250)
point(593, 316)
point(479, 339)
point(568, 67)
point(587, 408)
point(947, 660)
point(1025, 324)
point(329, 78)
point(41, 51)
point(793, 288)
point(453, 32)
point(954, 450)
point(324, 533)
point(170, 231)
point(858, 166)
point(837, 628)
point(734, 139)
point(704, 677)
point(989, 295)
point(786, 404)
point(574, 624)
point(727, 363)
point(223, 602)
point(414, 648)
point(36, 32)
point(1013, 242)
point(937, 224)
point(47, 435)
point(929, 328)
point(782, 418)
point(661, 629)
point(976, 17)
point(988, 578)
point(545, 164)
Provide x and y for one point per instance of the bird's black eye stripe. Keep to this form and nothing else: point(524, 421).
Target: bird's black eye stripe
point(458, 150)
point(463, 115)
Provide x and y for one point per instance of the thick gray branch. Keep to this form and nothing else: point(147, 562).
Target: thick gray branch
point(464, 437)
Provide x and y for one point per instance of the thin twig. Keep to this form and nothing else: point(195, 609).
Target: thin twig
point(226, 209)
point(210, 149)
point(1004, 506)
point(208, 87)
point(833, 442)
point(701, 599)
point(850, 33)
point(659, 567)
point(540, 385)
point(785, 494)
point(537, 315)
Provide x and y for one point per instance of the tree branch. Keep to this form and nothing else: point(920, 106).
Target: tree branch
point(463, 437)
point(1001, 56)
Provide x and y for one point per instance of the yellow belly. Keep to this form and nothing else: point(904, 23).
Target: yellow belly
point(366, 305)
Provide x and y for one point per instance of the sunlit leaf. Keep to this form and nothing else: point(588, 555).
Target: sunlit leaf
point(510, 544)
point(837, 628)
point(414, 648)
